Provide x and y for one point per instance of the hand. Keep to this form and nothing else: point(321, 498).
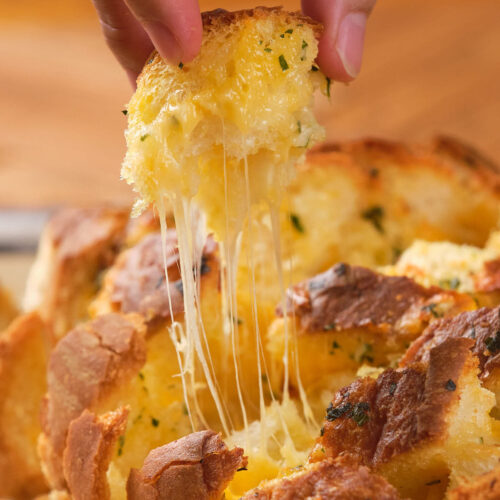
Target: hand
point(133, 28)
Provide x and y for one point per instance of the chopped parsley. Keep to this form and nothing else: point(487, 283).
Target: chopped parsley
point(283, 63)
point(267, 49)
point(450, 385)
point(289, 31)
point(304, 44)
point(144, 137)
point(431, 308)
point(328, 85)
point(375, 215)
point(340, 269)
point(359, 414)
point(125, 112)
point(121, 444)
point(297, 223)
point(366, 355)
point(260, 42)
point(493, 343)
point(181, 65)
point(141, 375)
point(392, 388)
point(185, 409)
point(299, 126)
point(337, 412)
point(155, 422)
point(241, 468)
point(322, 431)
point(431, 483)
point(335, 345)
point(452, 283)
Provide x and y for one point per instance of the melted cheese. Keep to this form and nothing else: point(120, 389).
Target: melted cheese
point(217, 140)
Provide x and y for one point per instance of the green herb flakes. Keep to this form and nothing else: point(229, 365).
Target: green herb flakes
point(289, 31)
point(297, 223)
point(283, 63)
point(141, 375)
point(144, 137)
point(299, 126)
point(121, 444)
point(392, 388)
point(450, 385)
point(304, 44)
point(125, 112)
point(328, 85)
point(431, 308)
point(181, 65)
point(359, 413)
point(268, 49)
point(493, 343)
point(184, 409)
point(155, 422)
point(375, 215)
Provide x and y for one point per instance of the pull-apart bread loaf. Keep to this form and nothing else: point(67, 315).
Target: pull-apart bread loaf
point(386, 252)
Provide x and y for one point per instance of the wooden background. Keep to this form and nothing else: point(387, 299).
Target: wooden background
point(430, 66)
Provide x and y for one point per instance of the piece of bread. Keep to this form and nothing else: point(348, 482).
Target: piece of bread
point(484, 487)
point(198, 466)
point(424, 428)
point(76, 246)
point(350, 316)
point(326, 480)
point(482, 326)
point(22, 385)
point(246, 99)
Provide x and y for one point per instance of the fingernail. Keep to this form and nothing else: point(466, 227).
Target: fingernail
point(350, 41)
point(165, 42)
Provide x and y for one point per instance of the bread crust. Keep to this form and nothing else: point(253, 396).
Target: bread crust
point(77, 244)
point(22, 348)
point(346, 297)
point(196, 467)
point(326, 480)
point(136, 282)
point(374, 420)
point(85, 366)
point(89, 446)
point(480, 326)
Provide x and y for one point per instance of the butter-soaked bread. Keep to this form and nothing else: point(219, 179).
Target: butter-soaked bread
point(326, 480)
point(424, 428)
point(481, 326)
point(349, 316)
point(364, 202)
point(23, 363)
point(75, 247)
point(483, 487)
point(244, 101)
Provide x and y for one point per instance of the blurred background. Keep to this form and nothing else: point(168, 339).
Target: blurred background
point(430, 66)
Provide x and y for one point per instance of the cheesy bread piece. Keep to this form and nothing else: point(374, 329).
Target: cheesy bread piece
point(350, 316)
point(482, 326)
point(244, 103)
point(196, 467)
point(326, 480)
point(425, 428)
point(23, 362)
point(76, 246)
point(485, 487)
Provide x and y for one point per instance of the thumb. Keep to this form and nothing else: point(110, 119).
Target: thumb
point(341, 44)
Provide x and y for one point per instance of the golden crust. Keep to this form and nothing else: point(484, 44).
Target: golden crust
point(76, 246)
point(481, 326)
point(483, 487)
point(196, 467)
point(8, 310)
point(346, 297)
point(326, 480)
point(136, 283)
point(216, 20)
point(22, 385)
point(89, 445)
point(374, 420)
point(83, 368)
